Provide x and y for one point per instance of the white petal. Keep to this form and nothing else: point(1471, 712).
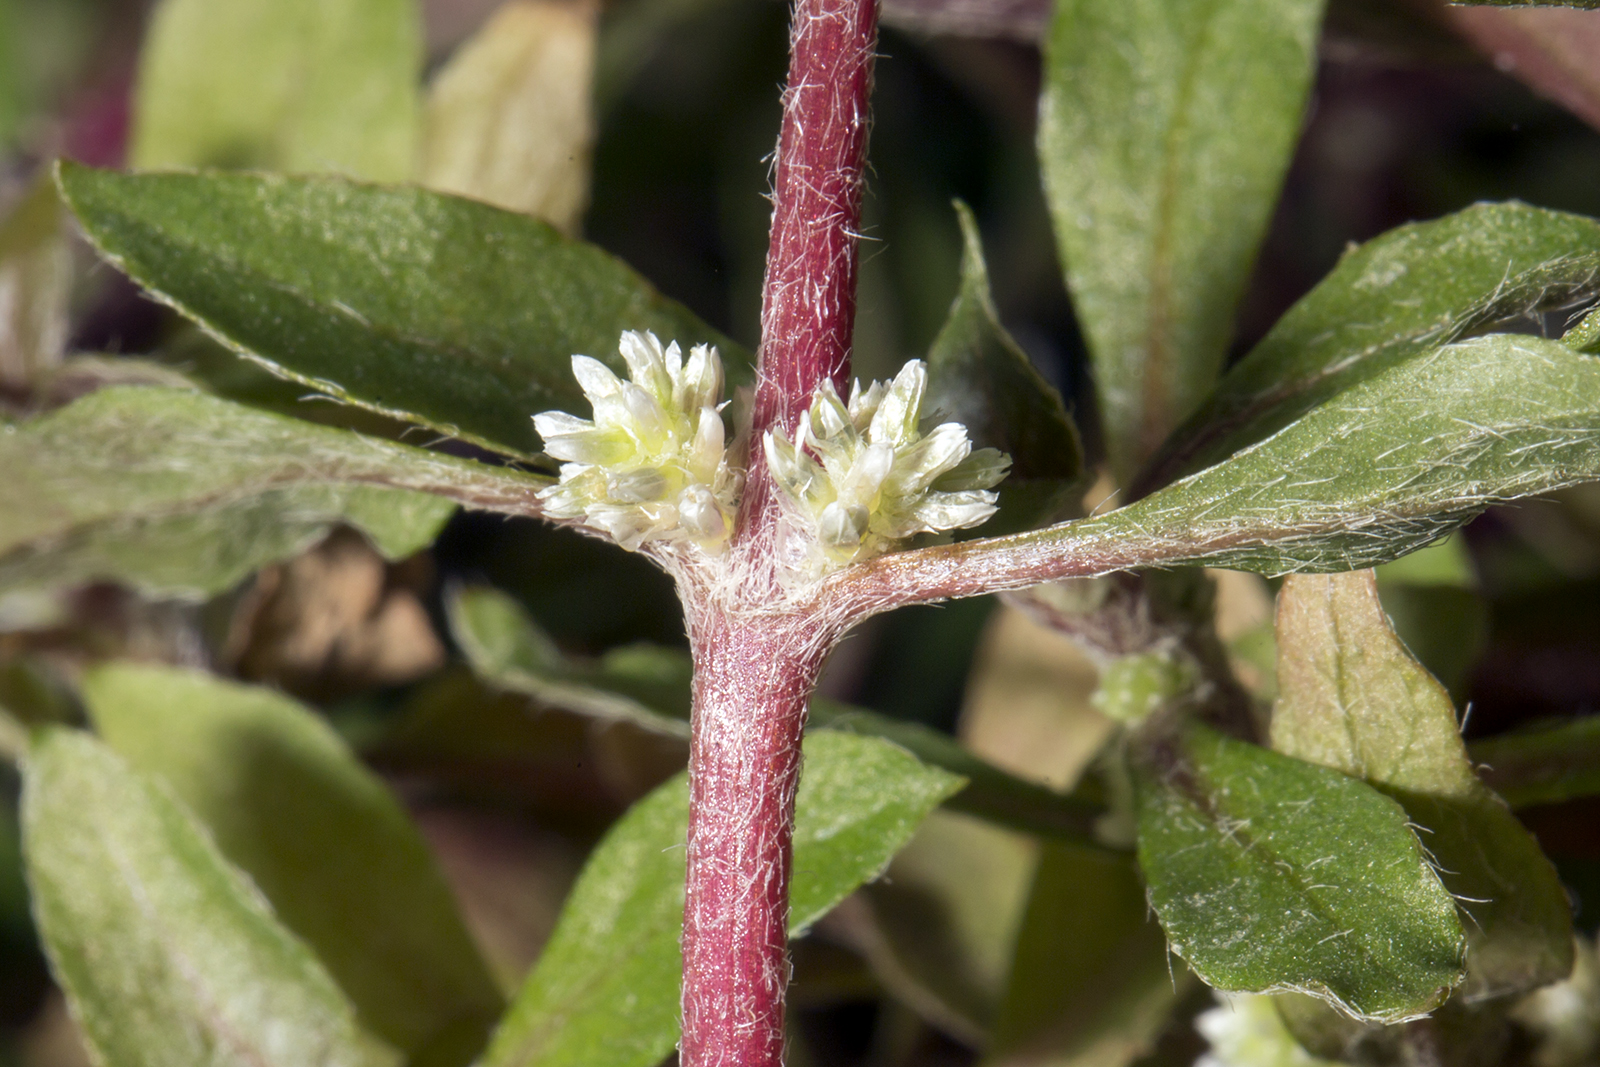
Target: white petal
point(647, 363)
point(560, 424)
point(701, 383)
point(590, 447)
point(896, 418)
point(594, 377)
point(841, 526)
point(932, 456)
point(863, 405)
point(867, 475)
point(705, 454)
point(636, 486)
point(702, 516)
point(649, 422)
point(954, 511)
point(984, 469)
point(674, 362)
point(780, 459)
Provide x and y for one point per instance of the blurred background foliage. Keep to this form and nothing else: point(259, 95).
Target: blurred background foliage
point(1410, 119)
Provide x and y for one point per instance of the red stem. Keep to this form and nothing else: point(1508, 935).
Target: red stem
point(755, 667)
point(750, 692)
point(808, 300)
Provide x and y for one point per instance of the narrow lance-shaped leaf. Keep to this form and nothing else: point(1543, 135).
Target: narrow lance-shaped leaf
point(1352, 698)
point(1413, 289)
point(505, 646)
point(1533, 3)
point(978, 376)
point(1272, 875)
point(35, 283)
point(1380, 470)
point(605, 991)
point(167, 954)
point(1544, 766)
point(1091, 983)
point(510, 118)
point(1164, 132)
point(143, 454)
point(13, 95)
point(433, 309)
point(323, 838)
point(649, 686)
point(295, 85)
point(196, 554)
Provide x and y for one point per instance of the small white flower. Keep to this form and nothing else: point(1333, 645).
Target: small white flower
point(861, 476)
point(652, 466)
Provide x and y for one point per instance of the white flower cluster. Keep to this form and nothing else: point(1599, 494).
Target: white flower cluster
point(652, 466)
point(861, 476)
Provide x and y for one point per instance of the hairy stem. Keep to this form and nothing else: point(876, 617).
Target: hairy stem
point(808, 297)
point(755, 666)
point(750, 692)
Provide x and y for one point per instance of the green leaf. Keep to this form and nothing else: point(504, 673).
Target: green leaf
point(938, 930)
point(1352, 698)
point(990, 794)
point(137, 455)
point(196, 555)
point(978, 376)
point(506, 647)
point(510, 118)
point(12, 93)
point(1404, 293)
point(649, 686)
point(1542, 766)
point(35, 284)
point(1384, 468)
point(168, 955)
point(323, 838)
point(605, 991)
point(429, 308)
point(1090, 981)
point(295, 85)
point(1443, 564)
point(1164, 134)
point(1270, 874)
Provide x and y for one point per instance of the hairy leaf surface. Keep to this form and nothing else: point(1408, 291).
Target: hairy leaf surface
point(1270, 874)
point(192, 555)
point(1164, 132)
point(167, 953)
point(1413, 289)
point(433, 309)
point(605, 991)
point(144, 455)
point(1382, 469)
point(1351, 697)
point(323, 838)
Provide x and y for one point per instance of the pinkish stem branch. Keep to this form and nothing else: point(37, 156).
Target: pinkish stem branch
point(755, 667)
point(808, 297)
point(751, 688)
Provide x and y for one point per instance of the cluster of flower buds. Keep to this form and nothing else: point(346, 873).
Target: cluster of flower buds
point(652, 466)
point(862, 476)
